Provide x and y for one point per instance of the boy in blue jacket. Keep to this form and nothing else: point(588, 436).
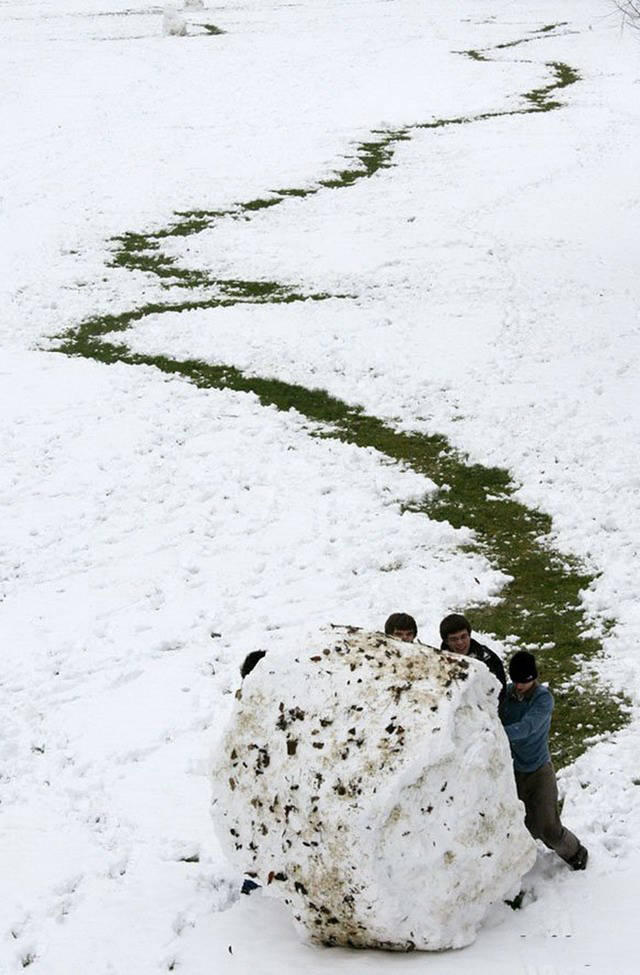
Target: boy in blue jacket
point(526, 716)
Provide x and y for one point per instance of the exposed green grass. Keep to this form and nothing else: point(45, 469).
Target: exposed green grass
point(542, 602)
point(260, 204)
point(85, 339)
point(193, 222)
point(565, 75)
point(297, 192)
point(549, 27)
point(475, 55)
point(139, 252)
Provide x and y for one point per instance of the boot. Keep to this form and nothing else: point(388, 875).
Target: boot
point(248, 885)
point(579, 859)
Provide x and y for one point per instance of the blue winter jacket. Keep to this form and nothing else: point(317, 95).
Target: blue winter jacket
point(527, 723)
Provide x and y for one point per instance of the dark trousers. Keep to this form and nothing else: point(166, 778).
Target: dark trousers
point(539, 792)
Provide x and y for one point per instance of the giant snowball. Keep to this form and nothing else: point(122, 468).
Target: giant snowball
point(368, 784)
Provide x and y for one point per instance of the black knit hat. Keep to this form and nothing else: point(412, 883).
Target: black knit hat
point(522, 667)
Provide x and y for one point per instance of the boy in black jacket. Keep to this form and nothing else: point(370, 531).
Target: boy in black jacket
point(455, 632)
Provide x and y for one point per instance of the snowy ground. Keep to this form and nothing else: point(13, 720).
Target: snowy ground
point(153, 532)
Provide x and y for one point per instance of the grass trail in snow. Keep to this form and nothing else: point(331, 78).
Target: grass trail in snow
point(541, 605)
point(142, 251)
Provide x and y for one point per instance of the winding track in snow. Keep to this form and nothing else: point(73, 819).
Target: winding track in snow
point(541, 605)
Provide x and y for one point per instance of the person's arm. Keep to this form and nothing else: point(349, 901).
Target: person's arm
point(534, 719)
point(500, 674)
point(495, 667)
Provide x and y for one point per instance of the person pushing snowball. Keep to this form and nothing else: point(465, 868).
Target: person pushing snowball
point(455, 633)
point(401, 626)
point(526, 716)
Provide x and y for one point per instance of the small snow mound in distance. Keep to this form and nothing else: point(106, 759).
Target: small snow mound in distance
point(173, 23)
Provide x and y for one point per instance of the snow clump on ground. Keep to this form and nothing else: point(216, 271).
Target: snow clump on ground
point(173, 23)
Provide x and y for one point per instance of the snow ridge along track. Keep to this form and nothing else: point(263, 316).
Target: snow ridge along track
point(541, 604)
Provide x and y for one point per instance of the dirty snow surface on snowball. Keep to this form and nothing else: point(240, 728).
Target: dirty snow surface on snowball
point(364, 766)
point(153, 532)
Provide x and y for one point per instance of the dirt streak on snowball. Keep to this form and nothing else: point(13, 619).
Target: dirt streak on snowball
point(368, 784)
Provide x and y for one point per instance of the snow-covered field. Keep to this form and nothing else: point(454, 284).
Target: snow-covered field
point(153, 532)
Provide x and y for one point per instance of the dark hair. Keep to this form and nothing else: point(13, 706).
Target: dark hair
point(453, 623)
point(250, 661)
point(522, 667)
point(400, 621)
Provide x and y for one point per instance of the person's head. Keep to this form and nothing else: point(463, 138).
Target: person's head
point(401, 626)
point(455, 633)
point(250, 661)
point(523, 671)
